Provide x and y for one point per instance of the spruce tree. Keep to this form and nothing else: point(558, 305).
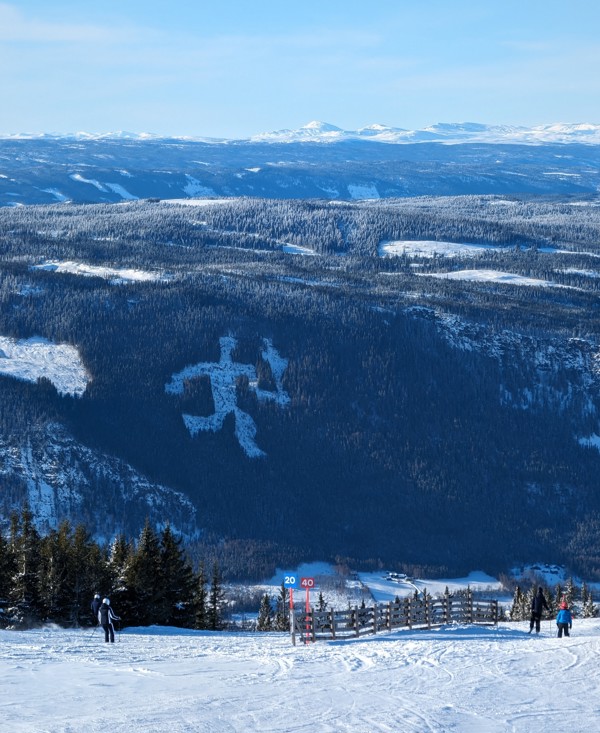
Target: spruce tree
point(89, 572)
point(178, 581)
point(264, 621)
point(144, 579)
point(321, 602)
point(570, 592)
point(201, 599)
point(215, 599)
point(56, 576)
point(24, 607)
point(7, 570)
point(282, 621)
point(589, 608)
point(119, 560)
point(516, 610)
point(558, 597)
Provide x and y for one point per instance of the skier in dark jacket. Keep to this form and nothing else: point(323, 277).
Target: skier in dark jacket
point(538, 604)
point(95, 606)
point(106, 616)
point(564, 620)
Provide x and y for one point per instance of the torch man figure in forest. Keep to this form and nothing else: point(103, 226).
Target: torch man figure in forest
point(224, 376)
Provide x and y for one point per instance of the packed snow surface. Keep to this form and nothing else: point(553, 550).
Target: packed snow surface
point(458, 678)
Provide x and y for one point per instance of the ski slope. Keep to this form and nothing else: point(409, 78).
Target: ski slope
point(459, 678)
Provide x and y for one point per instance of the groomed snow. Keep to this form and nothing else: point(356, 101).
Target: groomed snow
point(459, 678)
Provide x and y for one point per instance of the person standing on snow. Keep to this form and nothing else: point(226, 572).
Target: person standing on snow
point(538, 604)
point(95, 606)
point(564, 620)
point(106, 616)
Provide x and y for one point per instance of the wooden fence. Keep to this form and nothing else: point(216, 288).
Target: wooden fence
point(421, 612)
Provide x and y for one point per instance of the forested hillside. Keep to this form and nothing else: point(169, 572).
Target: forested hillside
point(55, 169)
point(343, 383)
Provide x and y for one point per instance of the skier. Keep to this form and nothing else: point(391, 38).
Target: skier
point(95, 606)
point(106, 616)
point(538, 604)
point(564, 620)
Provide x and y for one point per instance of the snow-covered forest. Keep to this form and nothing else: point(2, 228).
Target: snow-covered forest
point(387, 357)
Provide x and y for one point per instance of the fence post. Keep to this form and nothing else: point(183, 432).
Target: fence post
point(293, 626)
point(469, 606)
point(375, 612)
point(356, 627)
point(409, 612)
point(389, 623)
point(332, 616)
point(313, 625)
point(495, 607)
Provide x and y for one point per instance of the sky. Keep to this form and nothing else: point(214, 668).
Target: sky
point(231, 68)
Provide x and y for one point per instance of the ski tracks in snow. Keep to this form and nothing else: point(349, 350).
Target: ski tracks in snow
point(450, 680)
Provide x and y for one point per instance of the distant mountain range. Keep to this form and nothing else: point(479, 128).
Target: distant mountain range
point(318, 161)
point(324, 132)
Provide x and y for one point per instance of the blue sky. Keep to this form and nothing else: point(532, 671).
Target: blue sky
point(234, 68)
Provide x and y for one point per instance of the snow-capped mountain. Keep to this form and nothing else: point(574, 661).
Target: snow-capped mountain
point(463, 132)
point(325, 132)
point(318, 161)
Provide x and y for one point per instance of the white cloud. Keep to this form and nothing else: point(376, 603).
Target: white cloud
point(16, 26)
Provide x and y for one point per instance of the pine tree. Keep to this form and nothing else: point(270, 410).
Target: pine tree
point(215, 599)
point(282, 621)
point(56, 577)
point(7, 570)
point(529, 600)
point(144, 579)
point(120, 558)
point(264, 621)
point(201, 599)
point(25, 608)
point(589, 608)
point(178, 578)
point(570, 592)
point(321, 602)
point(88, 571)
point(584, 593)
point(516, 610)
point(558, 597)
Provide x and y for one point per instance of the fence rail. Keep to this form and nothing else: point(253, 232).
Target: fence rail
point(422, 612)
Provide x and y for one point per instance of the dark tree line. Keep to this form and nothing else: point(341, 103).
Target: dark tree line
point(52, 578)
point(579, 599)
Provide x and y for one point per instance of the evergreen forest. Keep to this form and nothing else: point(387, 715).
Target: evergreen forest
point(432, 420)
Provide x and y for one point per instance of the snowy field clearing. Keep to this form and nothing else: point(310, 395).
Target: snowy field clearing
point(463, 679)
point(495, 276)
point(427, 248)
point(115, 275)
point(30, 359)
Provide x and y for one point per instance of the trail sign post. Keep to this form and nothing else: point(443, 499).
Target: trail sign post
point(308, 584)
point(290, 581)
